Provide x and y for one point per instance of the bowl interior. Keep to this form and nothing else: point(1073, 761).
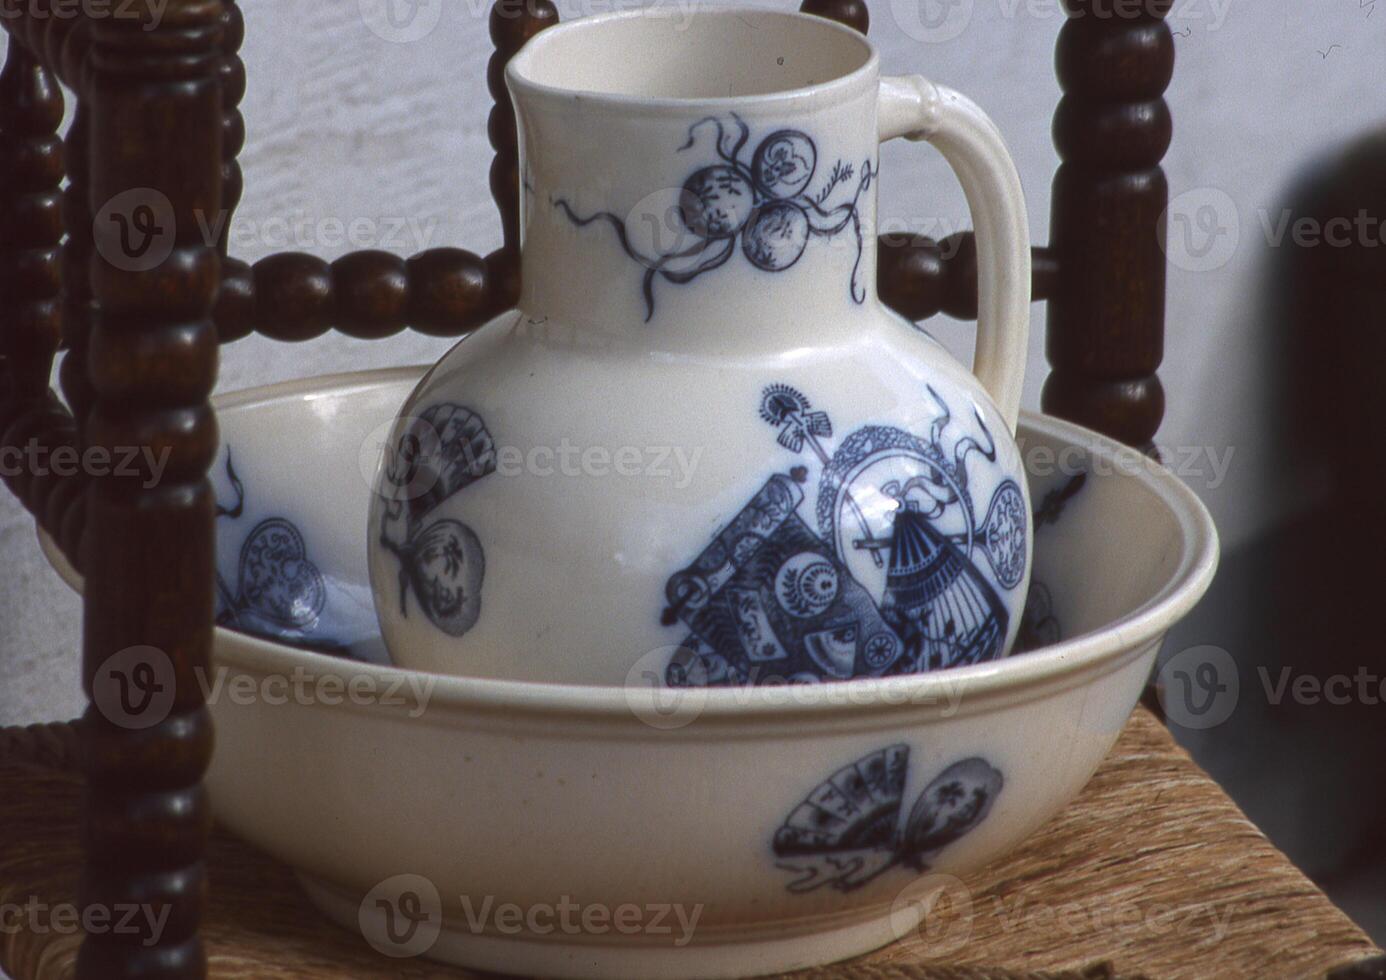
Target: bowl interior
point(292, 482)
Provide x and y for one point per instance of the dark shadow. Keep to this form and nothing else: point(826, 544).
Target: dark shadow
point(1302, 609)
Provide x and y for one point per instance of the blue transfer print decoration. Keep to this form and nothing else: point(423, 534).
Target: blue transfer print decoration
point(773, 598)
point(1039, 624)
point(1056, 500)
point(847, 831)
point(767, 205)
point(1039, 627)
point(446, 449)
point(279, 592)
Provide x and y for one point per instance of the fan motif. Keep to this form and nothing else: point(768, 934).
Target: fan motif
point(847, 831)
point(885, 580)
point(444, 450)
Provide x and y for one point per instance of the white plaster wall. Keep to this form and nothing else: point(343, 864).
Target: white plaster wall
point(344, 124)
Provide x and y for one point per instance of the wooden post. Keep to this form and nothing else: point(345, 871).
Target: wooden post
point(1106, 319)
point(156, 158)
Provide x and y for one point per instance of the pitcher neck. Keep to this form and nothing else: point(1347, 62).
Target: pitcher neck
point(697, 228)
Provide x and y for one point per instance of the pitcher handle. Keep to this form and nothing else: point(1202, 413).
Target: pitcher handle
point(915, 108)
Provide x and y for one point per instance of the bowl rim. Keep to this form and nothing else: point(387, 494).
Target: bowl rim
point(1094, 651)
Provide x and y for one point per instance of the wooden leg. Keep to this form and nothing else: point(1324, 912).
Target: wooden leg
point(155, 122)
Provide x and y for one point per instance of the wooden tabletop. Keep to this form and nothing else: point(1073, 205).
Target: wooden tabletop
point(1151, 872)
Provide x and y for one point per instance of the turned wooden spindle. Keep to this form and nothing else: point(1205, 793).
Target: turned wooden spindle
point(41, 27)
point(35, 278)
point(156, 144)
point(919, 277)
point(443, 292)
point(1112, 127)
point(65, 510)
point(853, 13)
point(31, 170)
point(231, 74)
point(513, 22)
point(236, 295)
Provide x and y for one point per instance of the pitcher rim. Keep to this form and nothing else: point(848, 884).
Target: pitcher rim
point(844, 85)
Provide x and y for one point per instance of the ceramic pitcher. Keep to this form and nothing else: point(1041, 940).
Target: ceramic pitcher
point(700, 451)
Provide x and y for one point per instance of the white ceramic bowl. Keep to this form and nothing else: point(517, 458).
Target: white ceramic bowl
point(795, 823)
